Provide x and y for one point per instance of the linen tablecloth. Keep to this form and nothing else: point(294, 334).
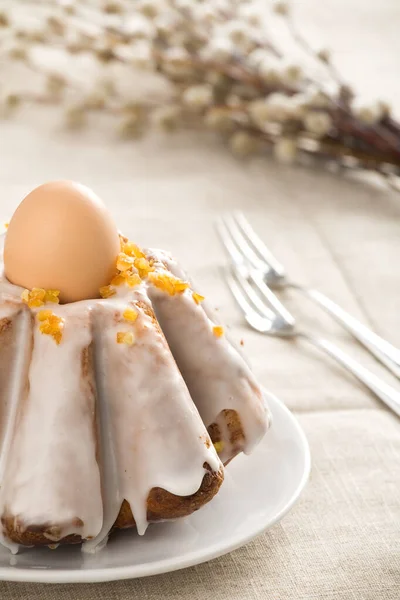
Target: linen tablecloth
point(341, 235)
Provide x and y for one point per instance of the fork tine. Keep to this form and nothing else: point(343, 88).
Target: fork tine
point(252, 295)
point(263, 252)
point(257, 315)
point(238, 294)
point(271, 298)
point(255, 277)
point(225, 237)
point(242, 244)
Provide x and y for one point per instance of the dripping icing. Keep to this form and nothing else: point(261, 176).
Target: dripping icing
point(162, 471)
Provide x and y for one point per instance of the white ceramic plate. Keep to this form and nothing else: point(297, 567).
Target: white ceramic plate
point(258, 491)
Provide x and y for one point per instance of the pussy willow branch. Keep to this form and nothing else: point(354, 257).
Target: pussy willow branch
point(349, 124)
point(350, 141)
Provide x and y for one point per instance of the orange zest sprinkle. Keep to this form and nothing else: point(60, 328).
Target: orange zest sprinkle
point(107, 291)
point(168, 283)
point(44, 315)
point(133, 250)
point(124, 262)
point(130, 314)
point(218, 331)
point(6, 225)
point(132, 267)
point(130, 259)
point(125, 337)
point(198, 298)
point(38, 297)
point(133, 279)
point(118, 279)
point(50, 324)
point(52, 296)
point(143, 266)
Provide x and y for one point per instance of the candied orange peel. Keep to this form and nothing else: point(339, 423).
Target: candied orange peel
point(39, 297)
point(132, 267)
point(107, 291)
point(198, 298)
point(218, 331)
point(124, 262)
point(118, 279)
point(143, 266)
point(51, 324)
point(133, 279)
point(44, 315)
point(130, 314)
point(132, 250)
point(168, 283)
point(125, 337)
point(52, 296)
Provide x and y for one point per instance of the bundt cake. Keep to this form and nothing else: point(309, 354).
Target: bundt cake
point(116, 411)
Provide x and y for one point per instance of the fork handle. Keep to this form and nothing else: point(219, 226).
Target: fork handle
point(382, 350)
point(380, 388)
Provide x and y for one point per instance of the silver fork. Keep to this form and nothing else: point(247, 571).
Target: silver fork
point(248, 251)
point(261, 318)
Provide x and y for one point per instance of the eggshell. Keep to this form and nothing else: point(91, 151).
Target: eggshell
point(62, 237)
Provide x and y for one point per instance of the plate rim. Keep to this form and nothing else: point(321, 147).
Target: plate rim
point(101, 575)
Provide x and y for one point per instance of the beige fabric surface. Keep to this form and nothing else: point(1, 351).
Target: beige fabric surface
point(342, 540)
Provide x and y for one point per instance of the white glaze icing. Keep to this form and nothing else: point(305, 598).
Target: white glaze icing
point(217, 376)
point(157, 435)
point(51, 476)
point(14, 365)
point(65, 466)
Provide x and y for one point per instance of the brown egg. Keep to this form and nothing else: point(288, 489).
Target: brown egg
point(62, 237)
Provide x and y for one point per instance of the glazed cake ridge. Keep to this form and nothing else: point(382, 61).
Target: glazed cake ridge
point(132, 406)
point(221, 384)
